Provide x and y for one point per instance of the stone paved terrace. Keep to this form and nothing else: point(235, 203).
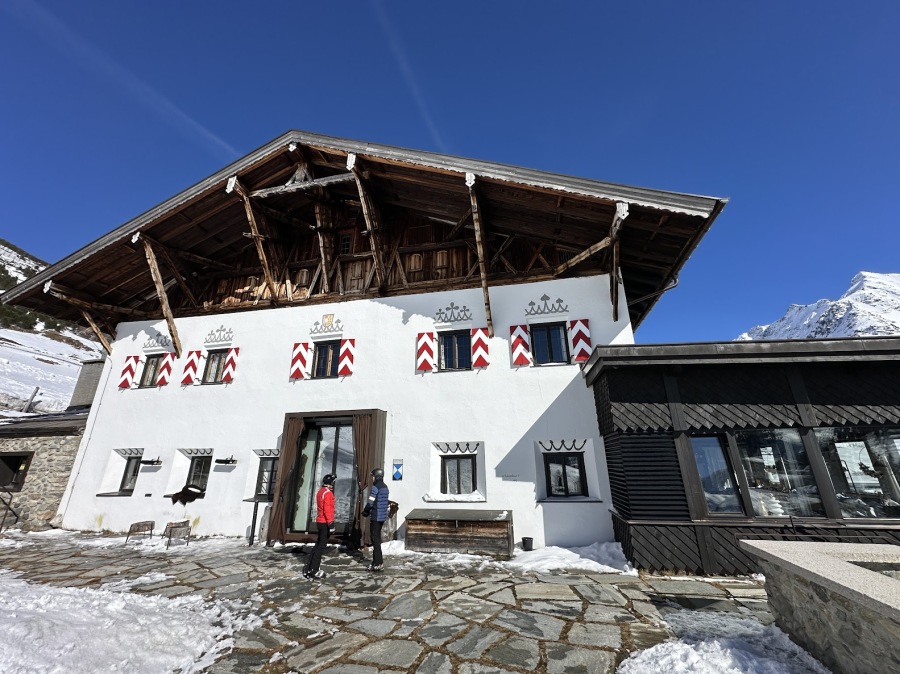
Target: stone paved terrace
point(423, 615)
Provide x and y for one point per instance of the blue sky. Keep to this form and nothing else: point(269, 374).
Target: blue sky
point(792, 110)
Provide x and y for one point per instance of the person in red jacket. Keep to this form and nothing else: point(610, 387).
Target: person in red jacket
point(324, 524)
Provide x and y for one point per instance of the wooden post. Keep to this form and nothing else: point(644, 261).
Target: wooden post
point(235, 184)
point(371, 224)
point(161, 292)
point(97, 332)
point(621, 214)
point(479, 247)
point(326, 246)
point(174, 268)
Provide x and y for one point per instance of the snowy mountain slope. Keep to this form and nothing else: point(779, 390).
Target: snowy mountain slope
point(36, 351)
point(870, 308)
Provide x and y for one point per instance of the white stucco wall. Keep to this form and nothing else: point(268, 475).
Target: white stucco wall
point(511, 410)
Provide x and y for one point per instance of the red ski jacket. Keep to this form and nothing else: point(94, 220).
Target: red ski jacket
point(325, 505)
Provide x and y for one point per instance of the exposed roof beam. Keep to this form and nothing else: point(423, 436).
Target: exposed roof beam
point(81, 301)
point(614, 276)
point(479, 247)
point(304, 185)
point(97, 332)
point(161, 292)
point(173, 267)
point(235, 185)
point(326, 240)
point(457, 228)
point(583, 255)
point(371, 224)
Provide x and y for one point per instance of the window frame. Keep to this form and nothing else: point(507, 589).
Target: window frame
point(215, 366)
point(456, 335)
point(151, 371)
point(198, 472)
point(21, 472)
point(268, 469)
point(458, 459)
point(564, 358)
point(582, 474)
point(332, 361)
point(741, 487)
point(131, 472)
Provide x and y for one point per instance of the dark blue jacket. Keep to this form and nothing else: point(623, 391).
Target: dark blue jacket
point(378, 501)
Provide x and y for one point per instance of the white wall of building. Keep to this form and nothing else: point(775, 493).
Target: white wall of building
point(511, 410)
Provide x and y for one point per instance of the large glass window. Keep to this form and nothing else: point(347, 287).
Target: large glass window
point(778, 472)
point(325, 364)
point(456, 350)
point(198, 474)
point(549, 343)
point(458, 474)
point(864, 464)
point(716, 476)
point(565, 474)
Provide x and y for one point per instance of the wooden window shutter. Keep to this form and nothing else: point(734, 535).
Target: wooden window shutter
point(230, 364)
point(580, 340)
point(480, 353)
point(301, 361)
point(165, 369)
point(129, 371)
point(426, 352)
point(345, 362)
point(191, 366)
point(520, 345)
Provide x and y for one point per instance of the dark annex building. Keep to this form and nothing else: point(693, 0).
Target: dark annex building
point(710, 443)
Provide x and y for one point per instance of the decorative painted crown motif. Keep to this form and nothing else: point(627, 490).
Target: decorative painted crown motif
point(453, 314)
point(535, 309)
point(328, 325)
point(220, 335)
point(563, 445)
point(457, 447)
point(157, 341)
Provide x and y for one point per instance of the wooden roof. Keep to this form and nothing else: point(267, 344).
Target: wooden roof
point(257, 215)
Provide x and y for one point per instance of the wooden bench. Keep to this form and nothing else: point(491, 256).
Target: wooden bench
point(145, 527)
point(178, 529)
point(477, 532)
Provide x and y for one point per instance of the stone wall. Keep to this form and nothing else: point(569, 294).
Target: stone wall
point(845, 636)
point(46, 479)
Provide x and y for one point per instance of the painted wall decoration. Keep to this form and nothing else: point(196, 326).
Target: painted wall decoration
point(397, 470)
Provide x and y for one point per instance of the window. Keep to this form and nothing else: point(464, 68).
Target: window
point(198, 474)
point(716, 476)
point(864, 464)
point(778, 473)
point(129, 477)
point(549, 343)
point(456, 350)
point(151, 370)
point(215, 366)
point(565, 474)
point(458, 474)
point(13, 468)
point(265, 480)
point(345, 244)
point(325, 363)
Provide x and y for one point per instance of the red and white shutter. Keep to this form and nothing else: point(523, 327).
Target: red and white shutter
point(301, 361)
point(520, 345)
point(348, 353)
point(480, 353)
point(230, 364)
point(165, 369)
point(580, 340)
point(191, 365)
point(129, 371)
point(426, 352)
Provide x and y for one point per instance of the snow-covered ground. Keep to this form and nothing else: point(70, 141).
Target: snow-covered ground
point(29, 360)
point(50, 629)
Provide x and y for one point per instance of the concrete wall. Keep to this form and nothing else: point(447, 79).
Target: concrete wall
point(46, 479)
point(508, 409)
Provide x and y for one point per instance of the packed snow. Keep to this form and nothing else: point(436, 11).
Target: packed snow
point(51, 629)
point(17, 265)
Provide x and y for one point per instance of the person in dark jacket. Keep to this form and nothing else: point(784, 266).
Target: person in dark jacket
point(377, 511)
point(324, 524)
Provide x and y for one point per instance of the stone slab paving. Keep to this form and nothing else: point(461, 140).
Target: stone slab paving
point(422, 615)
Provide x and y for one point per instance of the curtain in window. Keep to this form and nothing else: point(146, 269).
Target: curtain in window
point(293, 427)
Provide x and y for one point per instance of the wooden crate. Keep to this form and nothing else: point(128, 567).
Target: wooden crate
point(477, 532)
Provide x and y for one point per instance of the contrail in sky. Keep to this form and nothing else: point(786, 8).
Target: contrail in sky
point(394, 43)
point(93, 59)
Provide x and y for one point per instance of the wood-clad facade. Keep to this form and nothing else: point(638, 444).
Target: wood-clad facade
point(710, 443)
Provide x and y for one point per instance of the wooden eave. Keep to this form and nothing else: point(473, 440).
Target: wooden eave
point(205, 228)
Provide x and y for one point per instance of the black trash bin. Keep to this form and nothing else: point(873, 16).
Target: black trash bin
point(527, 544)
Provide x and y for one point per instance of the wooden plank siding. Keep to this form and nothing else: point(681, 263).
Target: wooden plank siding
point(466, 531)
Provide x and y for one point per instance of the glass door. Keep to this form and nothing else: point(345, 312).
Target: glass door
point(325, 446)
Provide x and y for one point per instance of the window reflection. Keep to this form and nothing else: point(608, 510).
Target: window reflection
point(779, 474)
point(716, 476)
point(864, 465)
